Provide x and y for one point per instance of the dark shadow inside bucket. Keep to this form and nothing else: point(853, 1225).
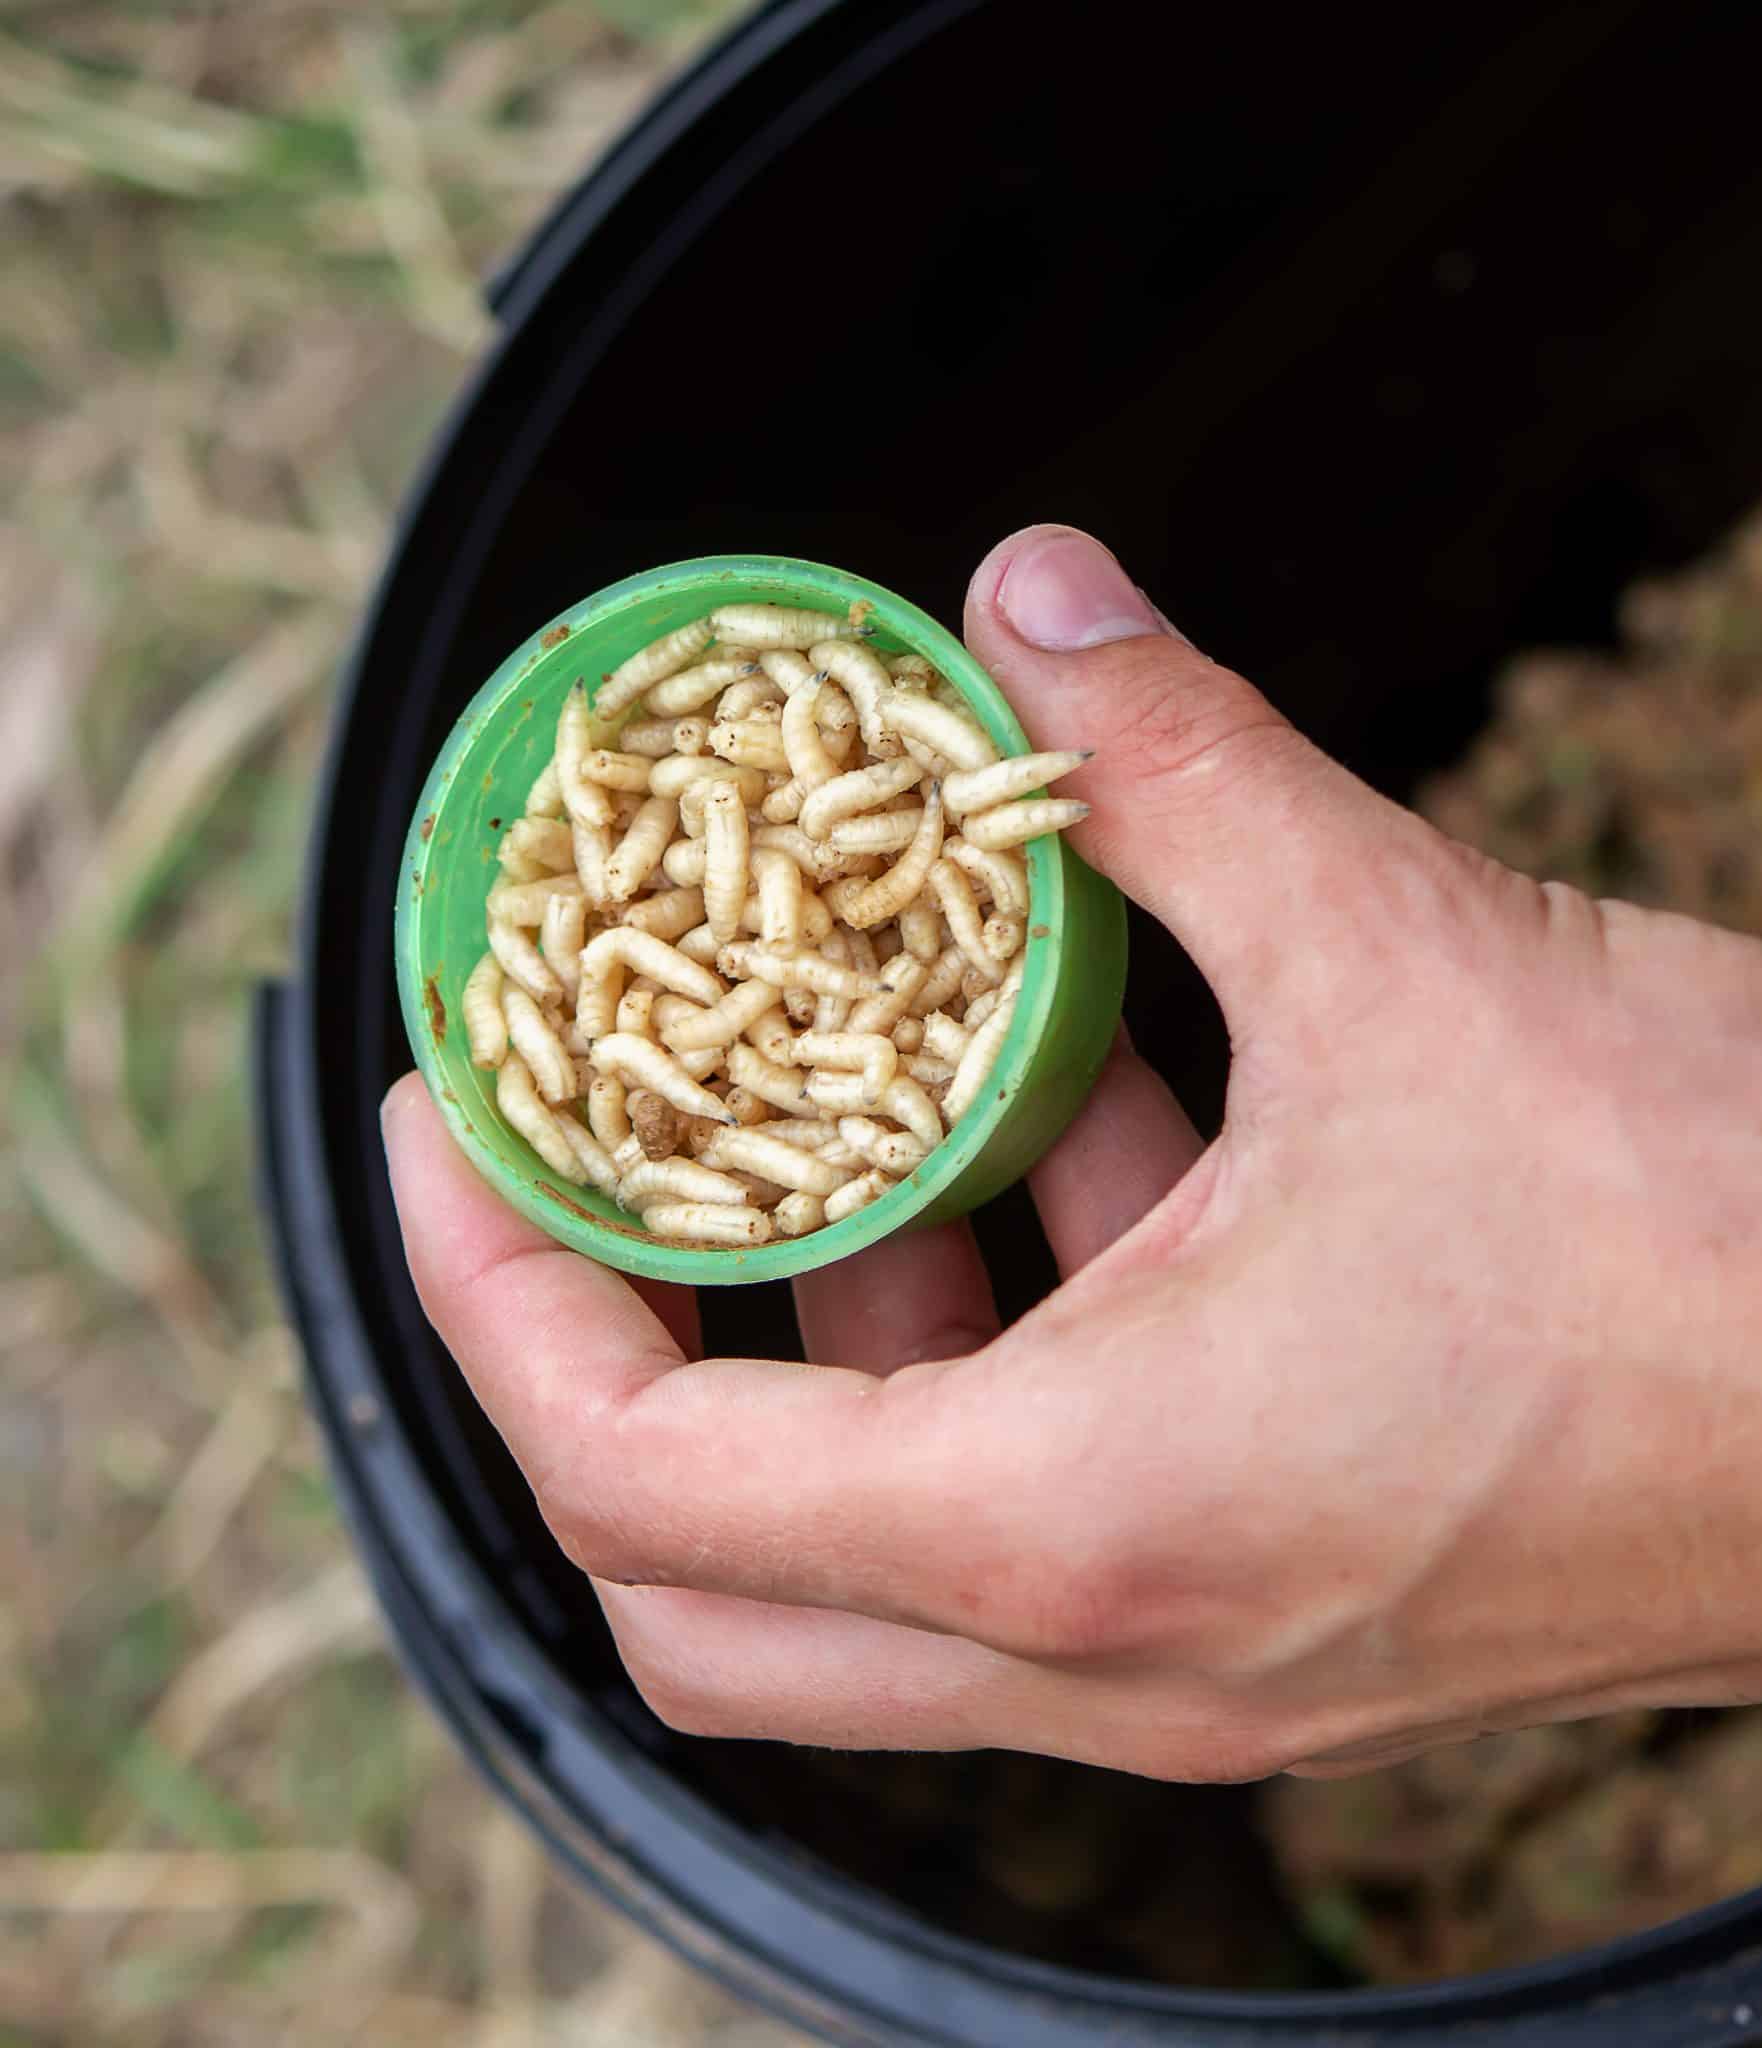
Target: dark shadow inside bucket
point(1370, 386)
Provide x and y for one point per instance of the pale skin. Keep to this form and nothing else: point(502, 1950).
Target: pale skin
point(1424, 1401)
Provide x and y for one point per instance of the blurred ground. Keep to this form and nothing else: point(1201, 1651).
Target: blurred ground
point(241, 246)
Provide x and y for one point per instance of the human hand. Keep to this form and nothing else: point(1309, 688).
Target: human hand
point(1424, 1401)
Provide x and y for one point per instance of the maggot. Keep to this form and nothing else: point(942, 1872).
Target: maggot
point(875, 1057)
point(643, 953)
point(650, 665)
point(480, 1002)
point(707, 1223)
point(858, 671)
point(692, 688)
point(978, 789)
point(889, 895)
point(858, 789)
point(640, 850)
point(856, 1194)
point(725, 859)
point(675, 1180)
point(789, 1166)
point(1010, 824)
point(951, 733)
point(954, 894)
point(772, 625)
point(641, 1063)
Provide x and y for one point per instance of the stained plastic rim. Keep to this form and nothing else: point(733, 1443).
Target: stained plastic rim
point(559, 1211)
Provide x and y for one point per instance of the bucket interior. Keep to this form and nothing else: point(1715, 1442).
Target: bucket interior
point(1370, 381)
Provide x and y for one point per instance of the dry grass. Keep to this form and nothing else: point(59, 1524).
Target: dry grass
point(243, 239)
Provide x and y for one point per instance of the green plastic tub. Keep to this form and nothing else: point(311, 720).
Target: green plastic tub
point(1065, 1016)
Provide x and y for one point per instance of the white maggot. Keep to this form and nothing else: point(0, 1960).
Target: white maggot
point(876, 831)
point(796, 1215)
point(901, 979)
point(859, 789)
point(1010, 824)
point(591, 1156)
point(523, 1112)
point(954, 894)
point(875, 1058)
point(707, 1223)
point(609, 769)
point(895, 1152)
point(561, 937)
point(692, 688)
point(819, 862)
point(859, 672)
point(683, 863)
point(978, 1059)
point(750, 743)
point(650, 737)
point(635, 1008)
point(639, 852)
point(534, 843)
point(1002, 936)
point(534, 1039)
point(725, 860)
point(640, 1063)
point(772, 625)
point(800, 969)
point(643, 953)
point(525, 903)
point(889, 895)
point(944, 1038)
point(949, 733)
point(1003, 877)
point(780, 1086)
point(700, 944)
point(903, 1100)
point(941, 984)
point(608, 1110)
point(675, 1180)
point(723, 1021)
point(650, 665)
point(545, 798)
point(753, 696)
point(785, 1165)
point(856, 1194)
point(669, 913)
point(920, 929)
point(978, 789)
point(592, 848)
point(480, 1003)
point(522, 962)
point(778, 886)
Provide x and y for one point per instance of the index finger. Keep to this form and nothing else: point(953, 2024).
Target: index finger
point(815, 1486)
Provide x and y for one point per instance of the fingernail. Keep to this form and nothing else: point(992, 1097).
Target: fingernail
point(1065, 591)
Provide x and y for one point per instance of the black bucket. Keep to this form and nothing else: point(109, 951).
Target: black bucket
point(1379, 345)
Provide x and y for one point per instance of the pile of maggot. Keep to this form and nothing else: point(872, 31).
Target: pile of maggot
point(739, 931)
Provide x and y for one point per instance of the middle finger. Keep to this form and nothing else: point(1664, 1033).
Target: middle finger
point(919, 1294)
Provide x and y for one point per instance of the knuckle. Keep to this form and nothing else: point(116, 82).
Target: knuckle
point(1066, 1611)
point(1199, 723)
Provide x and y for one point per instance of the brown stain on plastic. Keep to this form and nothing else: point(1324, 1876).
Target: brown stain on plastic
point(593, 1216)
point(1040, 931)
point(555, 637)
point(428, 828)
point(437, 1010)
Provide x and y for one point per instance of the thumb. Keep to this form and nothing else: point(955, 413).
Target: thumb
point(1208, 807)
